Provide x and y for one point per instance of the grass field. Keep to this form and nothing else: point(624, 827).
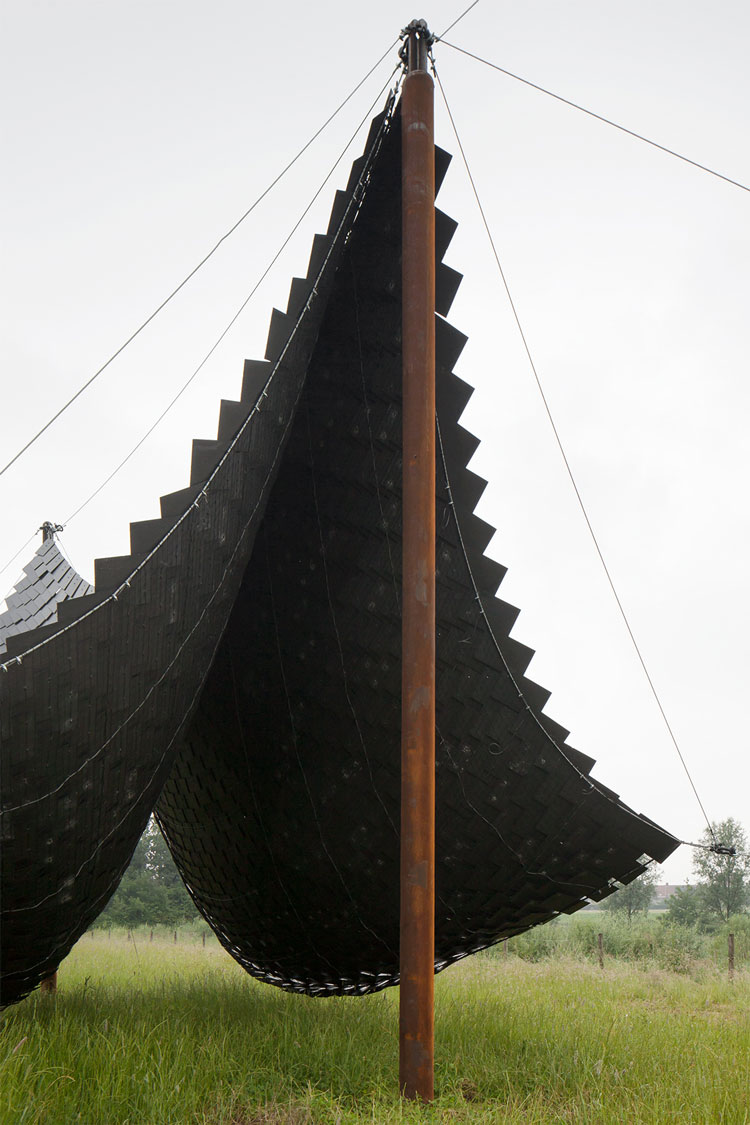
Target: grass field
point(153, 1033)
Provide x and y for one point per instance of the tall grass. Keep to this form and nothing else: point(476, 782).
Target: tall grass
point(645, 940)
point(153, 1033)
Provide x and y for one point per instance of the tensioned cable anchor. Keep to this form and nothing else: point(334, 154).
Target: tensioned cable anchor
point(716, 848)
point(417, 42)
point(49, 530)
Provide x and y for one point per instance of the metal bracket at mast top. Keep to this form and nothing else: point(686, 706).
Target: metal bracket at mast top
point(416, 47)
point(49, 530)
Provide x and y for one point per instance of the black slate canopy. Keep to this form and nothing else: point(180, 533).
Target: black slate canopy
point(242, 668)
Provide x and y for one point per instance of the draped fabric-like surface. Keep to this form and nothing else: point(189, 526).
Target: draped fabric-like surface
point(282, 808)
point(93, 704)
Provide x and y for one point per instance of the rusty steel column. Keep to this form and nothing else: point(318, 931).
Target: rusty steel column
point(417, 954)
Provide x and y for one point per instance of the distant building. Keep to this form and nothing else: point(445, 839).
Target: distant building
point(663, 892)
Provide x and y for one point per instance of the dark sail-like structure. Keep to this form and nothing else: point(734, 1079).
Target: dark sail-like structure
point(282, 809)
point(244, 663)
point(92, 706)
point(48, 580)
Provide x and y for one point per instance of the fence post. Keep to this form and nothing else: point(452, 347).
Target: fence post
point(204, 941)
point(175, 937)
point(49, 984)
point(600, 946)
point(731, 957)
point(151, 936)
point(505, 947)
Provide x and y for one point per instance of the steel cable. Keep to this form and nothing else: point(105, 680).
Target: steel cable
point(239, 311)
point(566, 462)
point(599, 117)
point(205, 359)
point(196, 268)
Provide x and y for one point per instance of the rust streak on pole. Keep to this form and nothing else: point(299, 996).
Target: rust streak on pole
point(416, 1039)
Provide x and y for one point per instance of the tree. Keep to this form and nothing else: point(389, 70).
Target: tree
point(633, 898)
point(151, 891)
point(724, 879)
point(685, 907)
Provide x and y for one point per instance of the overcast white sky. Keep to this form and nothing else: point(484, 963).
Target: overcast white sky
point(135, 134)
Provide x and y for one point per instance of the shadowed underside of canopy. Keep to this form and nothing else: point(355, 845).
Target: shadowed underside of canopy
point(282, 808)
